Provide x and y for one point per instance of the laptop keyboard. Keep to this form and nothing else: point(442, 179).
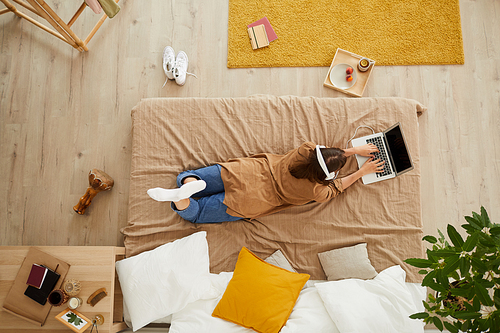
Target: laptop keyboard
point(382, 155)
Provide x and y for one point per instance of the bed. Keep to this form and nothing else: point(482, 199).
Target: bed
point(170, 135)
point(175, 134)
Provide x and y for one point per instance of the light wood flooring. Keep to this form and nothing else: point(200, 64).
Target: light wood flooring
point(64, 112)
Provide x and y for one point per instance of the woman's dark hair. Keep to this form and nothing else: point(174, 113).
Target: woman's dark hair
point(334, 159)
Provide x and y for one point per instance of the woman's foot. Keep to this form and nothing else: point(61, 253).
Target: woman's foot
point(177, 194)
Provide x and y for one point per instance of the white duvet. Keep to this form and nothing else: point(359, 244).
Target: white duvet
point(172, 284)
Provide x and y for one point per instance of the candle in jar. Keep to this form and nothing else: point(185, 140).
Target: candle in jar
point(74, 302)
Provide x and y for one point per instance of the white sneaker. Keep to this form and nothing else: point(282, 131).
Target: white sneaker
point(180, 69)
point(168, 63)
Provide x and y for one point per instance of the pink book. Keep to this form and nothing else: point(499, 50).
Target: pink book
point(271, 35)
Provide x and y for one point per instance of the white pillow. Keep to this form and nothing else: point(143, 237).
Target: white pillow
point(350, 262)
point(379, 305)
point(197, 316)
point(162, 281)
point(309, 315)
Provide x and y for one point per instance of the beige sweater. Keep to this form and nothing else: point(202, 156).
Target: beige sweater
point(261, 184)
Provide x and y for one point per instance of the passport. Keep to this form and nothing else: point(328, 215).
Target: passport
point(37, 275)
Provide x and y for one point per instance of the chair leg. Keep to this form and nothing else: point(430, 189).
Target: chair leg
point(96, 27)
point(52, 22)
point(10, 7)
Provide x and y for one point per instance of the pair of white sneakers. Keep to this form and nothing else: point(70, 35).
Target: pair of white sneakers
point(175, 67)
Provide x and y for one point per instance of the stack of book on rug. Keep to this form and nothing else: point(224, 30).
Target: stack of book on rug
point(261, 33)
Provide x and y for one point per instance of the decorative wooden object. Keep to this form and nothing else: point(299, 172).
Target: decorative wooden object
point(99, 181)
point(64, 31)
point(72, 287)
point(97, 296)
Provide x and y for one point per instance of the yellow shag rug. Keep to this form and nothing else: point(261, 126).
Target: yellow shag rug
point(391, 32)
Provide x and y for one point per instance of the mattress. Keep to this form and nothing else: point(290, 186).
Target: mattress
point(170, 135)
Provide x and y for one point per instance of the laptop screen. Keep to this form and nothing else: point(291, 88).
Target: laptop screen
point(397, 146)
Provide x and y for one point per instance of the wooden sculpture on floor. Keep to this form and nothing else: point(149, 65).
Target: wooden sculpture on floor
point(99, 181)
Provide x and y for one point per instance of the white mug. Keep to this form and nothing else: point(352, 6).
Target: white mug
point(364, 64)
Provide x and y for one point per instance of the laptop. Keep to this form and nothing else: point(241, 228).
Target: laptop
point(392, 149)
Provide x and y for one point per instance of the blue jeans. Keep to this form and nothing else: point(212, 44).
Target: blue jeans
point(209, 208)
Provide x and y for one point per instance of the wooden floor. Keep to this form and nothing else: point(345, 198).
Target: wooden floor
point(64, 112)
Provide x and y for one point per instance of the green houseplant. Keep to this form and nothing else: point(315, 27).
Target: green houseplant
point(465, 276)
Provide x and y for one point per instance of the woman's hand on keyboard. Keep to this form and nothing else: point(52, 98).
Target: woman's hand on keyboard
point(366, 150)
point(372, 165)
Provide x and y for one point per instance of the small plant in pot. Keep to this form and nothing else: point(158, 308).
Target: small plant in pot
point(465, 275)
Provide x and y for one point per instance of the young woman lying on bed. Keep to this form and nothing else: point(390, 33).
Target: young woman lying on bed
point(263, 184)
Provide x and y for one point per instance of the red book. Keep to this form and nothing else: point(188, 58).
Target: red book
point(37, 275)
point(271, 35)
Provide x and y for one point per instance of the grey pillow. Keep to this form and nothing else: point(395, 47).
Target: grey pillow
point(347, 263)
point(279, 259)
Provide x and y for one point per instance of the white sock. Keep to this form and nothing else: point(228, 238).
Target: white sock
point(177, 194)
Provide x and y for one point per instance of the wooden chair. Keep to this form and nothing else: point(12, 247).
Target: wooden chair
point(64, 32)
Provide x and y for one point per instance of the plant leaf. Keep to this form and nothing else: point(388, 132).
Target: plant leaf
point(485, 217)
point(496, 324)
point(420, 315)
point(472, 221)
point(479, 265)
point(495, 231)
point(430, 239)
point(494, 263)
point(451, 264)
point(470, 229)
point(443, 253)
point(455, 237)
point(73, 319)
point(478, 219)
point(429, 278)
point(436, 287)
point(476, 304)
point(438, 323)
point(458, 325)
point(450, 327)
point(487, 240)
point(497, 298)
point(455, 275)
point(440, 234)
point(442, 278)
point(471, 242)
point(417, 262)
point(465, 325)
point(430, 256)
point(459, 292)
point(464, 266)
point(482, 294)
point(466, 315)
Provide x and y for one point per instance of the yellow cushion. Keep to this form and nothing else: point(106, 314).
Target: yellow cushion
point(260, 296)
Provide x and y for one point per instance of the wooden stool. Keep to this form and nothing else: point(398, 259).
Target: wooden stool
point(99, 181)
point(64, 32)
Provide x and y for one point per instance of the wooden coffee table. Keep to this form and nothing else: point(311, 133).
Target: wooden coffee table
point(93, 266)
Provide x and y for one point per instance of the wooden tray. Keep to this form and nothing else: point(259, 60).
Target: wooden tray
point(343, 56)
